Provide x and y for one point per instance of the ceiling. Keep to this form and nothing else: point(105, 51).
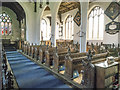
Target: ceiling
point(67, 6)
point(16, 7)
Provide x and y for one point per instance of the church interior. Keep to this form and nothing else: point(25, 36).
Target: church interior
point(59, 44)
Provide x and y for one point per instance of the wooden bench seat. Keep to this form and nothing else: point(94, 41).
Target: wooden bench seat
point(49, 56)
point(72, 64)
point(52, 51)
point(35, 51)
point(42, 50)
point(59, 59)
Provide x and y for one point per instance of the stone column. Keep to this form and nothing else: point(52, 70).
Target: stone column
point(53, 30)
point(38, 29)
point(31, 26)
point(84, 9)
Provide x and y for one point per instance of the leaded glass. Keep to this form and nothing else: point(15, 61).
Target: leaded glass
point(69, 27)
point(2, 27)
point(4, 14)
point(6, 18)
point(0, 20)
point(96, 24)
point(6, 28)
point(6, 25)
point(8, 21)
point(9, 28)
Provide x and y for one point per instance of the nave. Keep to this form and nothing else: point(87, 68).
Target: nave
point(60, 44)
point(30, 75)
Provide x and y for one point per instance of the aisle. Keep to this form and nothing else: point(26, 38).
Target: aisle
point(30, 75)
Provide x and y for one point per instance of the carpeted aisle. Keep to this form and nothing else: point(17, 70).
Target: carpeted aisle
point(30, 75)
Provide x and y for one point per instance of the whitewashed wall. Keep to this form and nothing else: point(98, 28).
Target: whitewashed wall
point(107, 38)
point(76, 28)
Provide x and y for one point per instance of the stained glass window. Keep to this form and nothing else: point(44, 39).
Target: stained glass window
point(6, 24)
point(96, 24)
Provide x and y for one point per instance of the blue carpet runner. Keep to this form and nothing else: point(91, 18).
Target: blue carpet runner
point(30, 75)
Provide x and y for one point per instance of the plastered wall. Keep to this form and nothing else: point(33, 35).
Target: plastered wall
point(33, 21)
point(107, 38)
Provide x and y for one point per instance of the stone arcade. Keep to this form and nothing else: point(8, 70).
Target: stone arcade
point(59, 44)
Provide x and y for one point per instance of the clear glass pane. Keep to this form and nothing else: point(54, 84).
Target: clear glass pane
point(8, 21)
point(72, 29)
point(4, 14)
point(44, 29)
point(66, 29)
point(101, 26)
point(90, 27)
point(95, 32)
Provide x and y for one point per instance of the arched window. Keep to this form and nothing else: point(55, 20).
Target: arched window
point(96, 24)
point(44, 29)
point(69, 27)
point(6, 24)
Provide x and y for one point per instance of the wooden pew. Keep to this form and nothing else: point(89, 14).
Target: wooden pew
point(33, 50)
point(72, 63)
point(96, 49)
point(37, 52)
point(47, 42)
point(41, 51)
point(63, 43)
point(59, 58)
point(30, 49)
point(50, 53)
point(23, 46)
point(26, 48)
point(20, 44)
point(28, 45)
point(49, 56)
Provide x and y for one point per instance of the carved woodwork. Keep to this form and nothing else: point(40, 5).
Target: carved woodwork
point(74, 62)
point(59, 57)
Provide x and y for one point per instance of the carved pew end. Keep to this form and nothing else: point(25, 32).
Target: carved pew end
point(75, 74)
point(43, 61)
point(51, 63)
point(61, 67)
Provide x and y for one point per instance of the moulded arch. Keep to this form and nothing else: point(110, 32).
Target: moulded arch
point(93, 8)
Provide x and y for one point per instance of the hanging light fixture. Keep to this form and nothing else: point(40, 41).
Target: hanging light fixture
point(47, 2)
point(41, 3)
point(112, 27)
